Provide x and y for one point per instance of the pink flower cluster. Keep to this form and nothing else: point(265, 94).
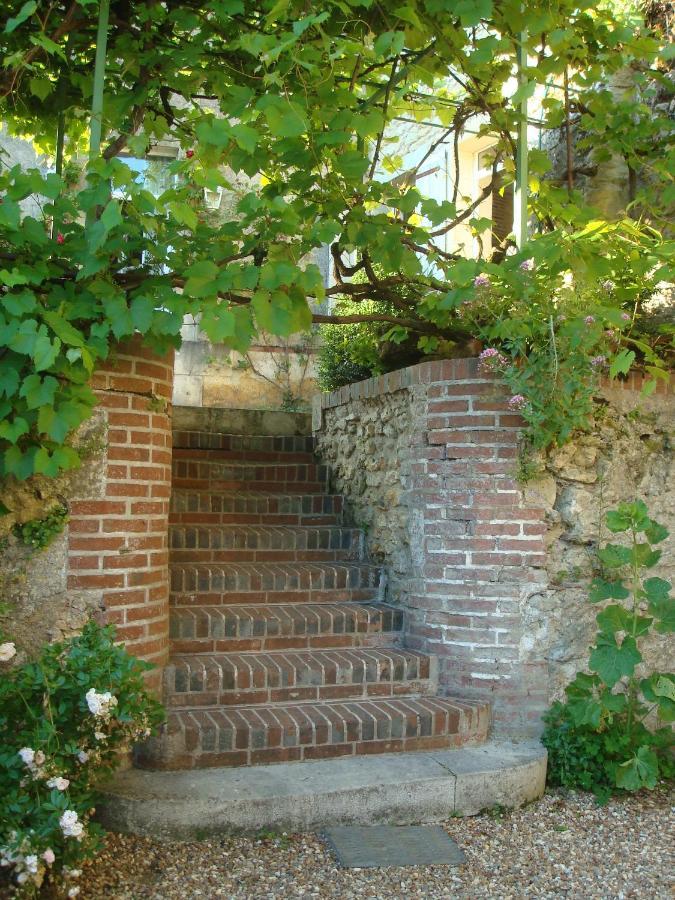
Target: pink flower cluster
point(491, 360)
point(518, 402)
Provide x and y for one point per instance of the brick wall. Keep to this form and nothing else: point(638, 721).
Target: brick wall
point(118, 540)
point(426, 459)
point(475, 545)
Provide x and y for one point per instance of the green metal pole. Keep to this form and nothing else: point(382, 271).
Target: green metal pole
point(522, 176)
point(99, 80)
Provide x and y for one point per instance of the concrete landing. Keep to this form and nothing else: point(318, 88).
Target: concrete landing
point(396, 789)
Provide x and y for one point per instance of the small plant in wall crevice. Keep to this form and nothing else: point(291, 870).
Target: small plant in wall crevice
point(39, 533)
point(614, 730)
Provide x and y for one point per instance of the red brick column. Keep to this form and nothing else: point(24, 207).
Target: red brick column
point(484, 547)
point(118, 541)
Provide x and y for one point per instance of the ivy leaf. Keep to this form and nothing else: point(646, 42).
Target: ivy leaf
point(9, 381)
point(41, 87)
point(63, 329)
point(246, 137)
point(612, 661)
point(606, 590)
point(38, 391)
point(285, 120)
point(10, 214)
point(218, 323)
point(352, 164)
point(45, 351)
point(642, 771)
point(19, 463)
point(470, 12)
point(12, 431)
point(201, 279)
point(184, 214)
point(621, 363)
point(142, 313)
point(58, 422)
point(24, 13)
point(111, 216)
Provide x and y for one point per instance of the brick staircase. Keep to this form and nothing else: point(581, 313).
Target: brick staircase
point(280, 647)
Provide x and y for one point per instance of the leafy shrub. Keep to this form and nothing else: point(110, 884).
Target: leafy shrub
point(39, 533)
point(64, 721)
point(349, 352)
point(600, 738)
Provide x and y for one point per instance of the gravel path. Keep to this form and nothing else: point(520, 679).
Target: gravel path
point(563, 846)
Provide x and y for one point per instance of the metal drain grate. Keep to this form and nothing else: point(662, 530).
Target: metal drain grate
point(379, 846)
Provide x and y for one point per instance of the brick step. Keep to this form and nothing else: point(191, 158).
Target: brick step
point(206, 507)
point(291, 676)
point(289, 626)
point(247, 543)
point(224, 475)
point(195, 454)
point(270, 582)
point(239, 736)
point(256, 443)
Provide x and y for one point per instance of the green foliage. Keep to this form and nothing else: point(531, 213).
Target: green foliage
point(295, 113)
point(39, 533)
point(350, 352)
point(57, 741)
point(614, 730)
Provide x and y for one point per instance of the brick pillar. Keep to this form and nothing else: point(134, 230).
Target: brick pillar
point(483, 547)
point(118, 540)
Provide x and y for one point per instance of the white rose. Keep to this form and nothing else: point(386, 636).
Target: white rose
point(59, 783)
point(27, 755)
point(31, 863)
point(70, 824)
point(7, 651)
point(73, 892)
point(49, 856)
point(83, 756)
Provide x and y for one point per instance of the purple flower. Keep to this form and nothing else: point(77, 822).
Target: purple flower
point(608, 285)
point(625, 317)
point(481, 280)
point(598, 361)
point(527, 265)
point(589, 320)
point(491, 360)
point(517, 402)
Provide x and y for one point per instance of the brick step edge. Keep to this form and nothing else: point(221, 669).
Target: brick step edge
point(394, 789)
point(246, 736)
point(292, 676)
point(211, 440)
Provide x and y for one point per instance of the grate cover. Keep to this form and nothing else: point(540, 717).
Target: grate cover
point(379, 846)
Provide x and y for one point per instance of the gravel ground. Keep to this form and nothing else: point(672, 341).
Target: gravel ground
point(563, 846)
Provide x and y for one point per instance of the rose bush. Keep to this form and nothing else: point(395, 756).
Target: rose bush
point(65, 720)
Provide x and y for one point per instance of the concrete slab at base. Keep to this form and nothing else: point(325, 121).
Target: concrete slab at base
point(396, 788)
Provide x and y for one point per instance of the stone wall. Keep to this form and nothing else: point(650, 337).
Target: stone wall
point(112, 558)
point(492, 574)
point(627, 455)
